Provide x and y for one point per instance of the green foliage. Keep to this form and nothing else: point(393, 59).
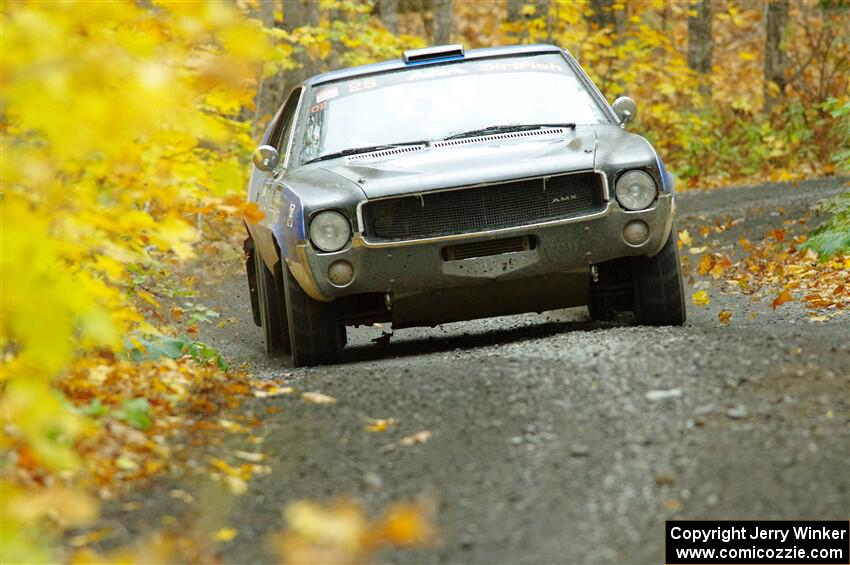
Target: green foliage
point(95, 409)
point(841, 112)
point(833, 236)
point(158, 346)
point(136, 412)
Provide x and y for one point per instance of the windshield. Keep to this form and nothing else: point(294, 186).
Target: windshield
point(435, 102)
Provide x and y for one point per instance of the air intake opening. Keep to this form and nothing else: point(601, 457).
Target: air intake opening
point(488, 248)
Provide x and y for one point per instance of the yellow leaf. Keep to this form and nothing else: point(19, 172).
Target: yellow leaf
point(381, 425)
point(685, 238)
point(225, 534)
point(701, 298)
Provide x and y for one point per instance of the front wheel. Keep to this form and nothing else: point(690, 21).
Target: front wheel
point(271, 315)
point(314, 329)
point(659, 297)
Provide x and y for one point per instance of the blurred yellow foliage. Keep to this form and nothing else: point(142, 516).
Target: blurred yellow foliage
point(341, 532)
point(116, 117)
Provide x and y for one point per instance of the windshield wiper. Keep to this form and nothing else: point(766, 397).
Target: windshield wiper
point(368, 149)
point(506, 129)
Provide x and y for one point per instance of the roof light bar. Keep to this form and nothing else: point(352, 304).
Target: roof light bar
point(430, 53)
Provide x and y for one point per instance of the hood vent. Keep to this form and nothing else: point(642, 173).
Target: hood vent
point(499, 136)
point(395, 151)
point(386, 153)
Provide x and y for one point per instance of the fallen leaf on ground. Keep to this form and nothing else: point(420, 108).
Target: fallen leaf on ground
point(784, 296)
point(342, 533)
point(725, 316)
point(226, 534)
point(317, 398)
point(273, 391)
point(250, 456)
point(413, 439)
point(672, 505)
point(685, 238)
point(381, 425)
point(700, 298)
point(182, 495)
point(697, 250)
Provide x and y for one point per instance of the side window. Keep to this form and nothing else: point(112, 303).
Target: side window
point(282, 132)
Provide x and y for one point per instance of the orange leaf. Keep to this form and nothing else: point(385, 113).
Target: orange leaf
point(705, 264)
point(725, 316)
point(784, 296)
point(252, 213)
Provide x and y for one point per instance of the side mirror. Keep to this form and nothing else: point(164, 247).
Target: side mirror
point(625, 108)
point(266, 158)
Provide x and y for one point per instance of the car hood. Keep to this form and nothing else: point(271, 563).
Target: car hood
point(474, 162)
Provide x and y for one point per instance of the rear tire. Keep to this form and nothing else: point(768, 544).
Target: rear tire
point(659, 297)
point(272, 316)
point(314, 328)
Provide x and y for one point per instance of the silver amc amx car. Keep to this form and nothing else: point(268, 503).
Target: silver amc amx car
point(451, 185)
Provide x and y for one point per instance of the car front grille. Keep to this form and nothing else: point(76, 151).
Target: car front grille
point(469, 210)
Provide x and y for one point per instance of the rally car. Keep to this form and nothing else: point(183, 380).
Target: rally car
point(451, 185)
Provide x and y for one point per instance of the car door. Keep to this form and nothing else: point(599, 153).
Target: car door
point(264, 188)
point(278, 135)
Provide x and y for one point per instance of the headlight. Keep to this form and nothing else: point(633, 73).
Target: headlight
point(329, 231)
point(636, 190)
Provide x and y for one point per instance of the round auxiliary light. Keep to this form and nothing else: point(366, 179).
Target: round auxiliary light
point(636, 232)
point(340, 273)
point(636, 190)
point(329, 231)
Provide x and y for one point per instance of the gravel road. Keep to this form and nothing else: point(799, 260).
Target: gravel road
point(556, 439)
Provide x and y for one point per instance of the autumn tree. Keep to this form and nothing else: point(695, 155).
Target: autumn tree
point(603, 14)
point(388, 10)
point(441, 30)
point(268, 93)
point(775, 57)
point(700, 42)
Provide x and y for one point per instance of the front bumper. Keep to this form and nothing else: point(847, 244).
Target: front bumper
point(412, 267)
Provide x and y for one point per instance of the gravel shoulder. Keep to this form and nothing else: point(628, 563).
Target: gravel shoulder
point(550, 442)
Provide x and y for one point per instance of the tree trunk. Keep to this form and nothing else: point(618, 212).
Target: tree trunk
point(603, 14)
point(775, 58)
point(273, 90)
point(389, 14)
point(442, 21)
point(700, 43)
point(266, 102)
point(515, 10)
point(297, 13)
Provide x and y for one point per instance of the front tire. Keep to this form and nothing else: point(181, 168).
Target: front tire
point(659, 296)
point(314, 328)
point(272, 317)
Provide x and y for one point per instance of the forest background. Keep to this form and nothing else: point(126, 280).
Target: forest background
point(127, 131)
